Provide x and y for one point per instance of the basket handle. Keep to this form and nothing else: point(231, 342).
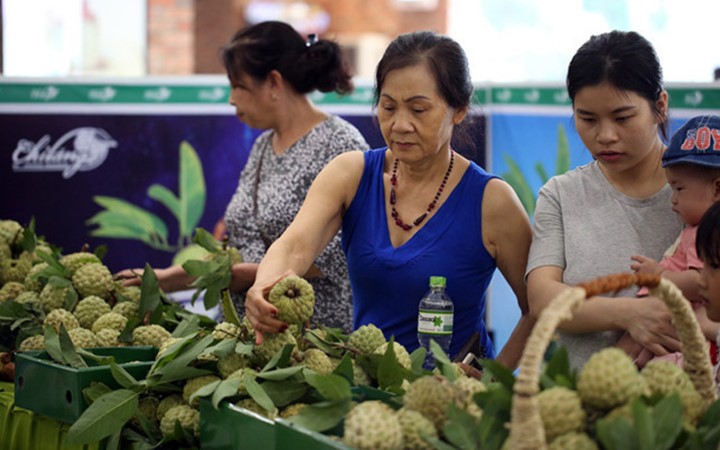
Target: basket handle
point(526, 430)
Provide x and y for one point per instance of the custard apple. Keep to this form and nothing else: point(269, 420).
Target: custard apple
point(89, 309)
point(94, 279)
point(574, 440)
point(561, 411)
point(226, 330)
point(107, 337)
point(167, 403)
point(60, 316)
point(153, 335)
point(373, 425)
point(187, 416)
point(53, 296)
point(193, 384)
point(147, 407)
point(127, 309)
point(11, 290)
point(315, 359)
point(240, 375)
point(231, 363)
point(14, 269)
point(28, 297)
point(294, 298)
point(414, 425)
point(431, 395)
point(110, 320)
point(608, 379)
point(32, 281)
point(401, 353)
point(366, 339)
point(82, 337)
point(252, 405)
point(272, 344)
point(292, 410)
point(10, 231)
point(32, 343)
point(73, 261)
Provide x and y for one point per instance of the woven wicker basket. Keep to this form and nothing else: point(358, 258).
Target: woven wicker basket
point(526, 428)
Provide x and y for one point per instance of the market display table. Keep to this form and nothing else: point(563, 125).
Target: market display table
point(21, 429)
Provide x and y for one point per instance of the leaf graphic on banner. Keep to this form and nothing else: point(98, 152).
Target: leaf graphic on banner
point(517, 180)
point(192, 189)
point(122, 215)
point(562, 161)
point(166, 197)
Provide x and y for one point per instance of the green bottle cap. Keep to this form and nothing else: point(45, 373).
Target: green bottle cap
point(437, 281)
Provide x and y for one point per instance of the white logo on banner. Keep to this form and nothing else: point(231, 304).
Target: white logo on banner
point(79, 150)
point(46, 94)
point(160, 94)
point(102, 94)
point(212, 95)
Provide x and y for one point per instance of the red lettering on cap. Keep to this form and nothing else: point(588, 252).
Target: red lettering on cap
point(689, 143)
point(702, 138)
point(716, 138)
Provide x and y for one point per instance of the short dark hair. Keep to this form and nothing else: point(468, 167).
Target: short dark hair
point(447, 63)
point(307, 65)
point(624, 59)
point(707, 242)
point(444, 58)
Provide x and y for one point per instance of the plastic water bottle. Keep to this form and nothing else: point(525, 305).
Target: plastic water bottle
point(435, 319)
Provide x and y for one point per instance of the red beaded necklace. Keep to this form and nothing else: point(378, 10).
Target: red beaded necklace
point(431, 206)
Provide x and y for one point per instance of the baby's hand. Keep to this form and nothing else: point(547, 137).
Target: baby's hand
point(646, 266)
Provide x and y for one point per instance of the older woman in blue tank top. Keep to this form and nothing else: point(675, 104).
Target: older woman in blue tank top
point(413, 209)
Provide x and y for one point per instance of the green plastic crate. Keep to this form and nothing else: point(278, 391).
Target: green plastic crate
point(289, 436)
point(53, 390)
point(231, 428)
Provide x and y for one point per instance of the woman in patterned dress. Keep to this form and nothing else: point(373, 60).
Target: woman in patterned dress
point(271, 69)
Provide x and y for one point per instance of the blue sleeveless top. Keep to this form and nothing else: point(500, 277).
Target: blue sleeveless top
point(388, 283)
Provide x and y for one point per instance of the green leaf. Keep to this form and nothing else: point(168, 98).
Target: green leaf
point(390, 372)
point(562, 161)
point(501, 373)
point(440, 445)
point(227, 388)
point(165, 196)
point(104, 417)
point(617, 434)
point(460, 428)
point(228, 309)
point(206, 240)
point(331, 387)
point(285, 392)
point(280, 359)
point(667, 420)
point(52, 345)
point(642, 422)
point(123, 377)
point(205, 391)
point(192, 189)
point(322, 416)
point(149, 292)
point(417, 359)
point(559, 365)
point(176, 369)
point(95, 391)
point(345, 369)
point(280, 374)
point(257, 393)
point(442, 362)
point(70, 355)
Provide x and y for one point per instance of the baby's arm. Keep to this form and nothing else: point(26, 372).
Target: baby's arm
point(646, 266)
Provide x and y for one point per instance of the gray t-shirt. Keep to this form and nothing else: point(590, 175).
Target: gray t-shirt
point(270, 192)
point(590, 229)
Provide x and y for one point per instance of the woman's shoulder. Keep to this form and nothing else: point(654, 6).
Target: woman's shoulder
point(342, 133)
point(582, 175)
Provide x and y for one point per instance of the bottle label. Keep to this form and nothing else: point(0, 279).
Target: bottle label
point(435, 322)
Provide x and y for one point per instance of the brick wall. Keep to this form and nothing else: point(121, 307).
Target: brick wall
point(184, 36)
